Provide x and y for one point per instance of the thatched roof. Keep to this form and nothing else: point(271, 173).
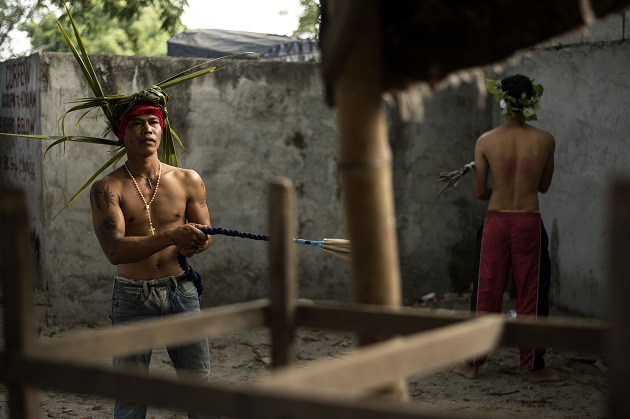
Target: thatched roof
point(425, 40)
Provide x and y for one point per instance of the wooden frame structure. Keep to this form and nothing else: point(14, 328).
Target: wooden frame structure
point(361, 57)
point(343, 388)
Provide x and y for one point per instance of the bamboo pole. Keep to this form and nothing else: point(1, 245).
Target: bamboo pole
point(366, 172)
point(17, 288)
point(282, 269)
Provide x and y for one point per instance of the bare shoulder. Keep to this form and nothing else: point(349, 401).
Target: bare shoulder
point(112, 180)
point(187, 179)
point(545, 136)
point(488, 137)
point(185, 175)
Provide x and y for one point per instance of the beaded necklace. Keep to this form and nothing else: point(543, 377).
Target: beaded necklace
point(147, 178)
point(147, 206)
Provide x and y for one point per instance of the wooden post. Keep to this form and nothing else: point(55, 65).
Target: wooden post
point(282, 272)
point(366, 169)
point(618, 291)
point(17, 287)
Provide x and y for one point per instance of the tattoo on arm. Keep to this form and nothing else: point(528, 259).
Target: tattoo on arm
point(102, 198)
point(203, 200)
point(108, 235)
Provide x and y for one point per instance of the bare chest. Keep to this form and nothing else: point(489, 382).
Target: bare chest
point(154, 208)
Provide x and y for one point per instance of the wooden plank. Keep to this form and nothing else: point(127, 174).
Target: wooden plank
point(184, 392)
point(143, 335)
point(365, 318)
point(16, 265)
point(618, 227)
point(569, 334)
point(373, 366)
point(282, 272)
point(572, 334)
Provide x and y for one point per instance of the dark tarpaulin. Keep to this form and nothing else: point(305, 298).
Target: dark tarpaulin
point(215, 43)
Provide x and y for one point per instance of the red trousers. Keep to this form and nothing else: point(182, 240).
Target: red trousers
point(516, 242)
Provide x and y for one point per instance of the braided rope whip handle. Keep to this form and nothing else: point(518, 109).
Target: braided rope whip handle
point(234, 233)
point(196, 276)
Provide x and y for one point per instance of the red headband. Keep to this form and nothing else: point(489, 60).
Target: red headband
point(140, 109)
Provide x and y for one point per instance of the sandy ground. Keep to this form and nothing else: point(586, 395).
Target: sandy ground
point(502, 388)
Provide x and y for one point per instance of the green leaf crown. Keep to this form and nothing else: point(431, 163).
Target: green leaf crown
point(509, 104)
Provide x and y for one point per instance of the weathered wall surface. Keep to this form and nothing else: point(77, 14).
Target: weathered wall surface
point(437, 234)
point(253, 121)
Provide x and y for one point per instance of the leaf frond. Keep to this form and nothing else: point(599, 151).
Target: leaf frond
point(107, 165)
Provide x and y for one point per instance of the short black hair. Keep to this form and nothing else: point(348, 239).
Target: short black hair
point(516, 85)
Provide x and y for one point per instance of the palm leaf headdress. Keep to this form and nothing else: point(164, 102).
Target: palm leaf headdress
point(114, 107)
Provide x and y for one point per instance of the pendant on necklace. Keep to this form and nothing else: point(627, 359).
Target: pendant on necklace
point(149, 183)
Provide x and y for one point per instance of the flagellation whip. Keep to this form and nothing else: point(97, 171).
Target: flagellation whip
point(336, 247)
point(452, 178)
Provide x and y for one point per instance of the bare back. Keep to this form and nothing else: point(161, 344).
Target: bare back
point(520, 160)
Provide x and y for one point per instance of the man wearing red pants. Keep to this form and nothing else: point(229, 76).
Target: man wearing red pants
point(520, 158)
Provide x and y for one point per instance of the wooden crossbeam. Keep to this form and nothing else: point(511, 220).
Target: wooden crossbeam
point(570, 334)
point(386, 321)
point(144, 335)
point(378, 364)
point(185, 392)
point(557, 332)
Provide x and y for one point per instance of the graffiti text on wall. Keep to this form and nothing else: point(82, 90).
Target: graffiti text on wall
point(18, 95)
point(17, 125)
point(18, 74)
point(19, 166)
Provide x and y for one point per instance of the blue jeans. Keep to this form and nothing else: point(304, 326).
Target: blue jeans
point(139, 300)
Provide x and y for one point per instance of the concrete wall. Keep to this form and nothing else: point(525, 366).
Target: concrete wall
point(253, 121)
point(20, 163)
point(437, 235)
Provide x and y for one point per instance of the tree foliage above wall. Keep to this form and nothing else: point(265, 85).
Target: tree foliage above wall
point(138, 27)
point(308, 23)
point(102, 34)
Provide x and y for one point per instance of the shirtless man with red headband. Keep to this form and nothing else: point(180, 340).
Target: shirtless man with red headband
point(521, 160)
point(144, 213)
